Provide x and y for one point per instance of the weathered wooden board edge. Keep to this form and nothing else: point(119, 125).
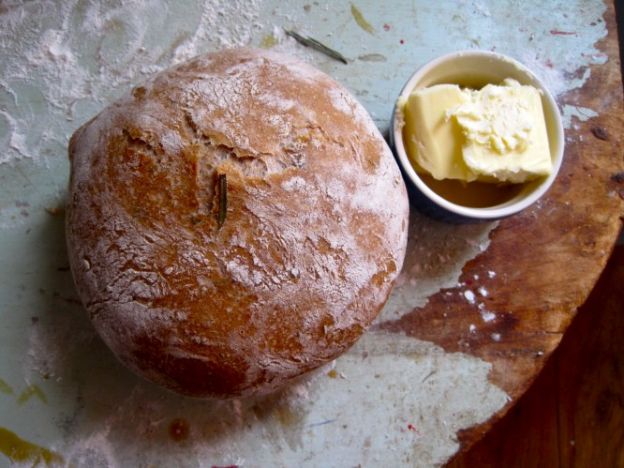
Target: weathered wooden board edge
point(546, 259)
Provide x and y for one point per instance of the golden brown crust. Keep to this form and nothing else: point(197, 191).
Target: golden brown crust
point(313, 236)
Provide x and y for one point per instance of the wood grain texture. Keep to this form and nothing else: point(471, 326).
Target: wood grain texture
point(573, 415)
point(546, 259)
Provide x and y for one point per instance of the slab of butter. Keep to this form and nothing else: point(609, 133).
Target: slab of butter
point(495, 134)
point(433, 141)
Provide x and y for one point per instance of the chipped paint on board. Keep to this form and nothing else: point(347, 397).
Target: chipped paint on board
point(582, 114)
point(436, 255)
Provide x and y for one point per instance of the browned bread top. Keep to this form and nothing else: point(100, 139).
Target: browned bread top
point(233, 222)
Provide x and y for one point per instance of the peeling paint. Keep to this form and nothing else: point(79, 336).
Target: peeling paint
point(436, 255)
point(582, 114)
point(402, 382)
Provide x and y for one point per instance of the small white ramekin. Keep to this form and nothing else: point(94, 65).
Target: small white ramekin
point(480, 67)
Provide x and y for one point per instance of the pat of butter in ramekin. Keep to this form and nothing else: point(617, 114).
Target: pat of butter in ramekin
point(495, 134)
point(433, 141)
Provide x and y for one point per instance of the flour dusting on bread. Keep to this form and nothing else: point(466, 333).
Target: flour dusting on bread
point(313, 236)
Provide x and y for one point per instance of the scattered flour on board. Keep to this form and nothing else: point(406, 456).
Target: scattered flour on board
point(128, 421)
point(52, 80)
point(469, 295)
point(487, 316)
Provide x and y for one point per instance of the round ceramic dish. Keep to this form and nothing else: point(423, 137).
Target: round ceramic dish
point(475, 69)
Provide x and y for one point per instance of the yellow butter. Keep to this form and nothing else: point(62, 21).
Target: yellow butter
point(433, 140)
point(505, 133)
point(495, 134)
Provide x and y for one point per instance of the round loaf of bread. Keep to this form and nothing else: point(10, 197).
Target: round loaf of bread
point(234, 222)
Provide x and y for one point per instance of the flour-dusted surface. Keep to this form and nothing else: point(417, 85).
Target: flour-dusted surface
point(63, 61)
